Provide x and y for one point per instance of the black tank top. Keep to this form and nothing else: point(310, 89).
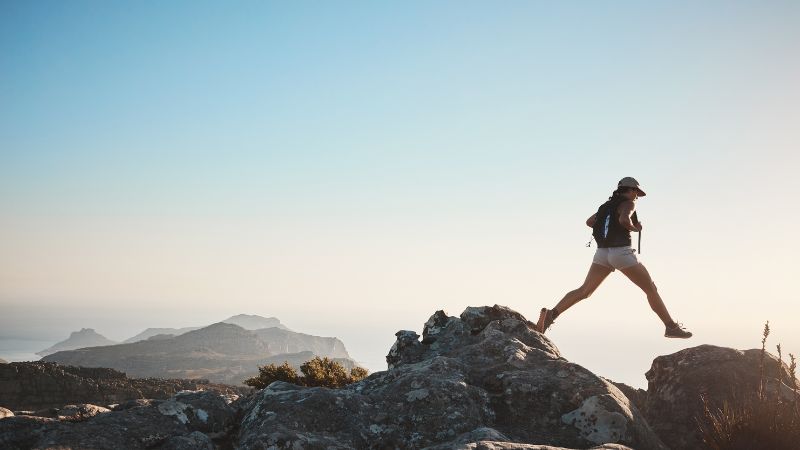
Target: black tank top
point(608, 232)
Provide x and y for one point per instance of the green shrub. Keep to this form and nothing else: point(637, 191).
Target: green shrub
point(758, 420)
point(269, 373)
point(318, 371)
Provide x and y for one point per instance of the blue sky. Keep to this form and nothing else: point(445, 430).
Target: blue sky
point(388, 159)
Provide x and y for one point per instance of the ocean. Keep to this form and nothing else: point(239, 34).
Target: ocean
point(15, 349)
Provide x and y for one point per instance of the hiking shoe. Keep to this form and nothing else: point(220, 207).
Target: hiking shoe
point(546, 318)
point(677, 331)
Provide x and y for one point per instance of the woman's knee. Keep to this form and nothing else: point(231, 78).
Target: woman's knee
point(584, 292)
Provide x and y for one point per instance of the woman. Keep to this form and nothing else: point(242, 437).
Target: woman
point(614, 251)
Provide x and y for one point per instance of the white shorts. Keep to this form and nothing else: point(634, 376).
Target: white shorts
point(616, 257)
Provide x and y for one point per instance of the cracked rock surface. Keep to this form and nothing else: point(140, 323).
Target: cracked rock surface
point(485, 379)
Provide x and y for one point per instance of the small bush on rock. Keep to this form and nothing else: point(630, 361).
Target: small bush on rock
point(269, 373)
point(323, 372)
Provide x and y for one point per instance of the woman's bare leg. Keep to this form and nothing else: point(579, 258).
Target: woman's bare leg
point(597, 273)
point(641, 277)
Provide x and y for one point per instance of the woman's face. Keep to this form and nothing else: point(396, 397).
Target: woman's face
point(631, 194)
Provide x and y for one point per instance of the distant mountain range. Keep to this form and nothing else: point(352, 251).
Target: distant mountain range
point(248, 322)
point(222, 352)
point(86, 337)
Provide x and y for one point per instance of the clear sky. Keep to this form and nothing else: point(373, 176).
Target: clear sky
point(352, 167)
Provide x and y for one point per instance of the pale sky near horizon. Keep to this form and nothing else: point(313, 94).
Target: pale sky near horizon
point(352, 167)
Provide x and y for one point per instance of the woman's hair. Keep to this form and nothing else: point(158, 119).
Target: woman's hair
point(620, 190)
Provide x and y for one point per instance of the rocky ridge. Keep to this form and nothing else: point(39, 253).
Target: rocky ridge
point(483, 380)
point(42, 386)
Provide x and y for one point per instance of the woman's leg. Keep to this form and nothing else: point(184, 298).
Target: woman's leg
point(641, 277)
point(597, 273)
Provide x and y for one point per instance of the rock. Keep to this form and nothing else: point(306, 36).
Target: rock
point(201, 410)
point(192, 441)
point(406, 348)
point(176, 423)
point(81, 412)
point(21, 432)
point(42, 385)
point(484, 377)
point(636, 395)
point(5, 413)
point(135, 403)
point(493, 445)
point(676, 381)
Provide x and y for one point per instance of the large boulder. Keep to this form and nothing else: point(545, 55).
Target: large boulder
point(677, 381)
point(485, 379)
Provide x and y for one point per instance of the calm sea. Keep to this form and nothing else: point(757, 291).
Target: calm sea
point(13, 350)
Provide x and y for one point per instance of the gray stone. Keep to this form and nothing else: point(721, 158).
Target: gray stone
point(176, 423)
point(4, 412)
point(80, 412)
point(676, 382)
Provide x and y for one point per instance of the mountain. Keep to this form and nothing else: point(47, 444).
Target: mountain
point(221, 352)
point(150, 332)
point(3, 361)
point(285, 341)
point(246, 321)
point(86, 337)
point(253, 322)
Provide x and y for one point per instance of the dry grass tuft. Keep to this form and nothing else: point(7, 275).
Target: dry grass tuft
point(760, 420)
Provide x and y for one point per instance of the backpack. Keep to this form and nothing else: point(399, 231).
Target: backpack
point(606, 219)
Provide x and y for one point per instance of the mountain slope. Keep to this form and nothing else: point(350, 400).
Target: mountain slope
point(220, 352)
point(150, 332)
point(286, 341)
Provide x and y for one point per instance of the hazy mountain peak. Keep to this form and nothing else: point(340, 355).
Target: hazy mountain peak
point(255, 322)
point(150, 332)
point(85, 337)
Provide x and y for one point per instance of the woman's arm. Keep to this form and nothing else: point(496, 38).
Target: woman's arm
point(625, 212)
point(590, 220)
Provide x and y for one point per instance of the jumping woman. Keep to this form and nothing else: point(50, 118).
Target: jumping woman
point(617, 218)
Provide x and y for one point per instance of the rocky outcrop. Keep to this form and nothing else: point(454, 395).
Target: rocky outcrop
point(486, 375)
point(42, 385)
point(86, 337)
point(676, 381)
point(221, 352)
point(187, 420)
